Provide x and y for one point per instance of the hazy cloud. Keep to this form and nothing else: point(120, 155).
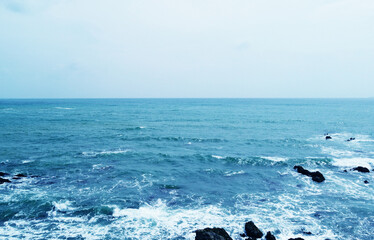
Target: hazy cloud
point(167, 48)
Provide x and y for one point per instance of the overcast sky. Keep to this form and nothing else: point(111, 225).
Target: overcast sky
point(178, 48)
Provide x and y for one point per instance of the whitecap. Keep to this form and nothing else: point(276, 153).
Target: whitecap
point(218, 157)
point(276, 159)
point(232, 173)
point(63, 205)
point(336, 152)
point(354, 162)
point(105, 152)
point(65, 108)
point(27, 161)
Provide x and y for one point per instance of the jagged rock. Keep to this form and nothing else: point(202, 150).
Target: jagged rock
point(20, 175)
point(212, 234)
point(2, 174)
point(3, 180)
point(269, 236)
point(316, 176)
point(361, 169)
point(252, 231)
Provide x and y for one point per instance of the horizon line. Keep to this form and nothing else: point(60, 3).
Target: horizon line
point(61, 98)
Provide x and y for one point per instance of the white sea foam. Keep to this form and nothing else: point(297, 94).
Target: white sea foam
point(105, 152)
point(63, 205)
point(159, 221)
point(276, 159)
point(65, 108)
point(232, 173)
point(218, 157)
point(27, 161)
point(336, 152)
point(354, 162)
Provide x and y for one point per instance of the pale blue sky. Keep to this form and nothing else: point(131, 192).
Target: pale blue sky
point(178, 48)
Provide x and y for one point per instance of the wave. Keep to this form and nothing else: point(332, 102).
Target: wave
point(157, 220)
point(105, 152)
point(232, 173)
point(276, 159)
point(354, 162)
point(65, 108)
point(135, 128)
point(174, 139)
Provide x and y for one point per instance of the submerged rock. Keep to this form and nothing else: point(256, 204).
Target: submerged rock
point(212, 234)
point(361, 169)
point(351, 139)
point(20, 175)
point(269, 236)
point(316, 176)
point(252, 231)
point(2, 174)
point(3, 180)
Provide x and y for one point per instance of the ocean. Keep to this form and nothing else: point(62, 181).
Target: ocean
point(163, 168)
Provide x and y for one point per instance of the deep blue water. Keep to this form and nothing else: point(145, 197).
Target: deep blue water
point(162, 168)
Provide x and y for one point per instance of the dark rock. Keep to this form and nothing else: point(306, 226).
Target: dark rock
point(242, 235)
point(3, 180)
point(2, 174)
point(351, 139)
point(361, 169)
point(212, 234)
point(252, 231)
point(366, 181)
point(316, 176)
point(20, 175)
point(328, 137)
point(269, 236)
point(345, 171)
point(296, 239)
point(16, 178)
point(307, 233)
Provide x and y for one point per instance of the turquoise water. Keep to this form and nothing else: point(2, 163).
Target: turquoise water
point(162, 168)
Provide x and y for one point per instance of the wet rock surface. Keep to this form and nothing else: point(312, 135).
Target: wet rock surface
point(316, 176)
point(212, 234)
point(252, 230)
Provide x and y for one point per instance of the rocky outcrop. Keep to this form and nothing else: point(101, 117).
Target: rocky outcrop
point(269, 236)
point(361, 169)
point(316, 176)
point(328, 137)
point(252, 231)
point(3, 174)
point(296, 238)
point(20, 175)
point(3, 180)
point(212, 234)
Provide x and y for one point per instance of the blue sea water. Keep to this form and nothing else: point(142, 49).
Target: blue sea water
point(162, 168)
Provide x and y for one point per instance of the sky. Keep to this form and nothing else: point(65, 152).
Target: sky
point(183, 49)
